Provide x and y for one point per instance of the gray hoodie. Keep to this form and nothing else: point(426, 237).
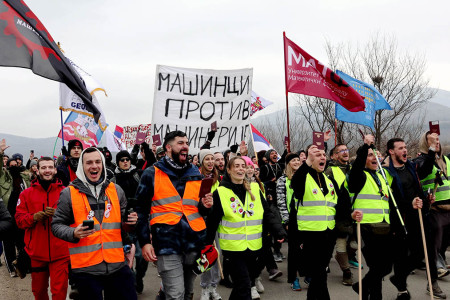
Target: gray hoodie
point(63, 217)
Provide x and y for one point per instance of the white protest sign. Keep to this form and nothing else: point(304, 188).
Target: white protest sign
point(129, 134)
point(191, 99)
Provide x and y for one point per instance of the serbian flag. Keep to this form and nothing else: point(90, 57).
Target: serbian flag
point(83, 128)
point(258, 103)
point(118, 132)
point(260, 143)
point(306, 75)
point(26, 43)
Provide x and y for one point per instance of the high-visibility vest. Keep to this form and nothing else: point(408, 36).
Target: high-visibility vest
point(168, 207)
point(338, 175)
point(241, 224)
point(442, 191)
point(289, 194)
point(372, 202)
point(318, 211)
point(256, 184)
point(215, 186)
point(106, 243)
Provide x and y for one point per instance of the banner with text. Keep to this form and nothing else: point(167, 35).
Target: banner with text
point(129, 134)
point(191, 99)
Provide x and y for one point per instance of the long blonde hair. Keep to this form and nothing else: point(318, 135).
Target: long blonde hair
point(246, 182)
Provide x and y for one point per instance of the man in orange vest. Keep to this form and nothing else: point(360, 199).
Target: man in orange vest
point(96, 255)
point(169, 192)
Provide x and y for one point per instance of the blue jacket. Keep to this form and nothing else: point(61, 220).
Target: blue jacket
point(168, 239)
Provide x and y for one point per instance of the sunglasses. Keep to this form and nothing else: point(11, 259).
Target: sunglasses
point(124, 159)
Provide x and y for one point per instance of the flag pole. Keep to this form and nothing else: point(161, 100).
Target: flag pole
point(287, 103)
point(62, 128)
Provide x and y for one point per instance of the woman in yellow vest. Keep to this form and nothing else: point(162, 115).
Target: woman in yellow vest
point(238, 214)
point(371, 196)
point(312, 218)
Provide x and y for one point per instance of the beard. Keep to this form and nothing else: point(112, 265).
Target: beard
point(399, 159)
point(177, 160)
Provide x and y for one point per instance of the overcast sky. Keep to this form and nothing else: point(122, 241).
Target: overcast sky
point(121, 42)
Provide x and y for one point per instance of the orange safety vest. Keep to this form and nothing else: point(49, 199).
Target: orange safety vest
point(168, 207)
point(106, 243)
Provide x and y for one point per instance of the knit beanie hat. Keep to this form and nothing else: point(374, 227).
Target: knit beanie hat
point(16, 156)
point(203, 153)
point(291, 156)
point(248, 161)
point(73, 143)
point(267, 155)
point(32, 163)
point(121, 154)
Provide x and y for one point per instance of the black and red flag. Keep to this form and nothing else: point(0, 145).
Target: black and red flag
point(26, 43)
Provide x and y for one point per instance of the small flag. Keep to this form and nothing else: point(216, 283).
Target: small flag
point(83, 128)
point(118, 132)
point(258, 103)
point(260, 142)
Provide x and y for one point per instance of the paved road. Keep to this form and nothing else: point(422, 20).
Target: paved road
point(15, 288)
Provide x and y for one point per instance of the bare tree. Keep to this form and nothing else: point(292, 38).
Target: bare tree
point(399, 77)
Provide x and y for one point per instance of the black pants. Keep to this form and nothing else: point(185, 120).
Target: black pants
point(266, 257)
point(317, 250)
point(116, 286)
point(408, 251)
point(377, 252)
point(437, 224)
point(243, 270)
point(294, 254)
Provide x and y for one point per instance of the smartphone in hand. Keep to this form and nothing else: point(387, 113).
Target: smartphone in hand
point(89, 223)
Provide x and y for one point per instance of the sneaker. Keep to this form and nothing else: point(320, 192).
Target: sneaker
point(437, 292)
point(307, 280)
point(442, 272)
point(295, 286)
point(205, 294)
point(347, 277)
point(354, 263)
point(214, 294)
point(278, 257)
point(274, 273)
point(403, 296)
point(255, 294)
point(259, 285)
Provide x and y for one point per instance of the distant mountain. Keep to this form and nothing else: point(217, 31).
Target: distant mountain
point(442, 97)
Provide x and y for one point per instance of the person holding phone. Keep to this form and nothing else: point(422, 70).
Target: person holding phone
point(96, 255)
point(49, 255)
point(169, 193)
point(240, 210)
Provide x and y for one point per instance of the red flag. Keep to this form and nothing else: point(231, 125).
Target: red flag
point(306, 75)
point(26, 43)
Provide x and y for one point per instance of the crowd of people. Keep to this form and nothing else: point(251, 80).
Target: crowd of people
point(83, 220)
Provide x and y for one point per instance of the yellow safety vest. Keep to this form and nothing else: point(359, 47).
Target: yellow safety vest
point(241, 224)
point(318, 210)
point(374, 206)
point(442, 191)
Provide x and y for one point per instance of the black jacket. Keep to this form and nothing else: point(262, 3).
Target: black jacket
point(5, 221)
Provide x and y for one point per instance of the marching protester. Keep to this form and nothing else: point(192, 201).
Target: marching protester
point(13, 180)
point(433, 169)
point(371, 196)
point(337, 169)
point(210, 279)
point(110, 166)
point(49, 255)
point(408, 193)
point(169, 193)
point(285, 195)
point(90, 216)
point(160, 153)
point(148, 158)
point(240, 209)
point(316, 205)
point(67, 170)
point(127, 177)
point(219, 163)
